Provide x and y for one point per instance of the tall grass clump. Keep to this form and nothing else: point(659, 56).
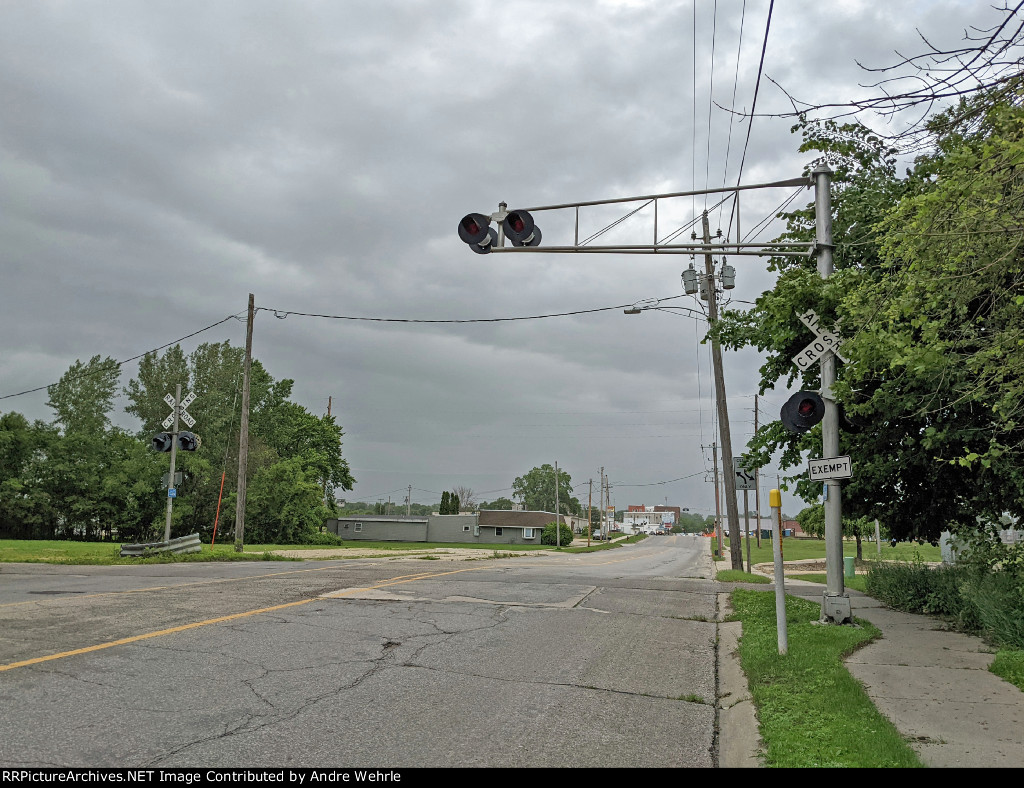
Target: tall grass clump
point(982, 593)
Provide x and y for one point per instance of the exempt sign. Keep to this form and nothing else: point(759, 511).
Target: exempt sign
point(829, 468)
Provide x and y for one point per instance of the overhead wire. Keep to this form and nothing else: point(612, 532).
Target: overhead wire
point(732, 108)
point(711, 96)
point(753, 106)
point(119, 364)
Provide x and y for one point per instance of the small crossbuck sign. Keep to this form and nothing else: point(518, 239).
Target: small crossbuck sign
point(182, 413)
point(824, 342)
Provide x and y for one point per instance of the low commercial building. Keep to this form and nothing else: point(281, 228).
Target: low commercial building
point(489, 526)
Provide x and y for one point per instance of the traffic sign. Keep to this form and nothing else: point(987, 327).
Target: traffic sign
point(824, 342)
point(830, 468)
point(172, 493)
point(745, 480)
point(183, 414)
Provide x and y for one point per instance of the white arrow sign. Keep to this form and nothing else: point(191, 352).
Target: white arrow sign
point(745, 479)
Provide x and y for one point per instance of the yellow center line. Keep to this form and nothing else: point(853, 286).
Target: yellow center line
point(234, 617)
point(174, 586)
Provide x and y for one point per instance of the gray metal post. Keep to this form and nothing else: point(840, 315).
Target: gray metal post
point(835, 605)
point(174, 454)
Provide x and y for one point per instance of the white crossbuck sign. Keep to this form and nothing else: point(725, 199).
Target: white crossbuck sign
point(824, 342)
point(182, 413)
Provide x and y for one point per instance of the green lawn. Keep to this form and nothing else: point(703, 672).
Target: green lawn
point(70, 552)
point(794, 549)
point(812, 712)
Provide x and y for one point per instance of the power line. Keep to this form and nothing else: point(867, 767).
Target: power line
point(119, 364)
point(282, 314)
point(753, 106)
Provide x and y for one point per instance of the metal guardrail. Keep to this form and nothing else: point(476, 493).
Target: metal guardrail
point(183, 544)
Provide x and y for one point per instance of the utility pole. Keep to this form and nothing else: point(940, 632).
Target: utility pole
point(757, 471)
point(600, 503)
point(328, 416)
point(408, 503)
point(735, 546)
point(590, 498)
point(558, 528)
point(243, 432)
point(835, 602)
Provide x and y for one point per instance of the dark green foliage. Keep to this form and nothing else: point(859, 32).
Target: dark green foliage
point(449, 503)
point(81, 478)
point(324, 538)
point(969, 597)
point(548, 537)
point(498, 503)
point(536, 491)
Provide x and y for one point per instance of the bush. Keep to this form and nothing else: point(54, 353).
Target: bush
point(548, 535)
point(325, 538)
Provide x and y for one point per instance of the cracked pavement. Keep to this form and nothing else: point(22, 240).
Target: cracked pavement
point(601, 660)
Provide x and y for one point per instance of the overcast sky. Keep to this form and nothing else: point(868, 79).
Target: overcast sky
point(159, 161)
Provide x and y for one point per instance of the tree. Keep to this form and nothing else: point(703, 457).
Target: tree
point(892, 286)
point(446, 503)
point(536, 491)
point(287, 504)
point(26, 511)
point(279, 430)
point(498, 503)
point(84, 396)
point(466, 496)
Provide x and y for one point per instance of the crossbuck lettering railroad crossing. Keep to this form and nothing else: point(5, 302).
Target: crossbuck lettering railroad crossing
point(824, 342)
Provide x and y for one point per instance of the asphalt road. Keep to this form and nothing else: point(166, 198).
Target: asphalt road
point(599, 660)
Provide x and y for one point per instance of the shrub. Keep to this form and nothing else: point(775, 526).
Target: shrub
point(325, 538)
point(548, 535)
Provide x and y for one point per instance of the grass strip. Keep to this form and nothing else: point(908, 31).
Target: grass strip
point(812, 712)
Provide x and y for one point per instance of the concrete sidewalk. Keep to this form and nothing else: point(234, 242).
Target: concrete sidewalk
point(933, 685)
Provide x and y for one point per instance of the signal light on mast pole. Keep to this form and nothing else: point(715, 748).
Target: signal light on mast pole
point(802, 411)
point(475, 230)
point(520, 229)
point(188, 441)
